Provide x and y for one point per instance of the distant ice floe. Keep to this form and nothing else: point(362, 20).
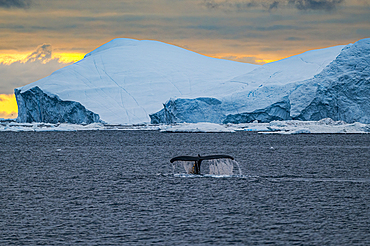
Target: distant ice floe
point(275, 127)
point(326, 125)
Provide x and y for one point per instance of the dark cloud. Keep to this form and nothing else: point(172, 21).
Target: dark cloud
point(42, 53)
point(230, 5)
point(326, 5)
point(272, 49)
point(37, 65)
point(279, 28)
point(243, 5)
point(274, 5)
point(294, 39)
point(22, 4)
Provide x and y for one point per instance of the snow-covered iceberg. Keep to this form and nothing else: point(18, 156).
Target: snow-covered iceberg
point(337, 86)
point(125, 80)
point(128, 81)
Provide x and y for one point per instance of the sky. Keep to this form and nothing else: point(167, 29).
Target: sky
point(38, 37)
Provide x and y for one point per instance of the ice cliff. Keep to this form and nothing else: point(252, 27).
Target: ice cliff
point(340, 91)
point(37, 106)
point(129, 81)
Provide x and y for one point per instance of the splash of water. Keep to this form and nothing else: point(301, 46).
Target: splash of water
point(223, 167)
point(218, 167)
point(187, 165)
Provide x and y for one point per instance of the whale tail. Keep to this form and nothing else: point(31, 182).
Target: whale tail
point(198, 160)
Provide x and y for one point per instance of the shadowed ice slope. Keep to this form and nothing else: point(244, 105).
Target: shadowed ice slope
point(37, 106)
point(340, 92)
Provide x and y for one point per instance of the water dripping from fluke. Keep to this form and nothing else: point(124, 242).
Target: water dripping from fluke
point(206, 166)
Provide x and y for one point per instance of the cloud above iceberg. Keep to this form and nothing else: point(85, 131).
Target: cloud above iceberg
point(36, 65)
point(326, 5)
point(42, 53)
point(270, 5)
point(22, 4)
point(19, 74)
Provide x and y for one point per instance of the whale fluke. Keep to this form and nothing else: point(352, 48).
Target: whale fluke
point(198, 160)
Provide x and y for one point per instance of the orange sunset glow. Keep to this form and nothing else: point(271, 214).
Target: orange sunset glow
point(8, 103)
point(8, 106)
point(9, 58)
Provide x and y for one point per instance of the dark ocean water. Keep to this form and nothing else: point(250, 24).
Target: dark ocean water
point(118, 187)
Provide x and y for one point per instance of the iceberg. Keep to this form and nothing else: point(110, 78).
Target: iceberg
point(125, 80)
point(339, 90)
point(129, 81)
